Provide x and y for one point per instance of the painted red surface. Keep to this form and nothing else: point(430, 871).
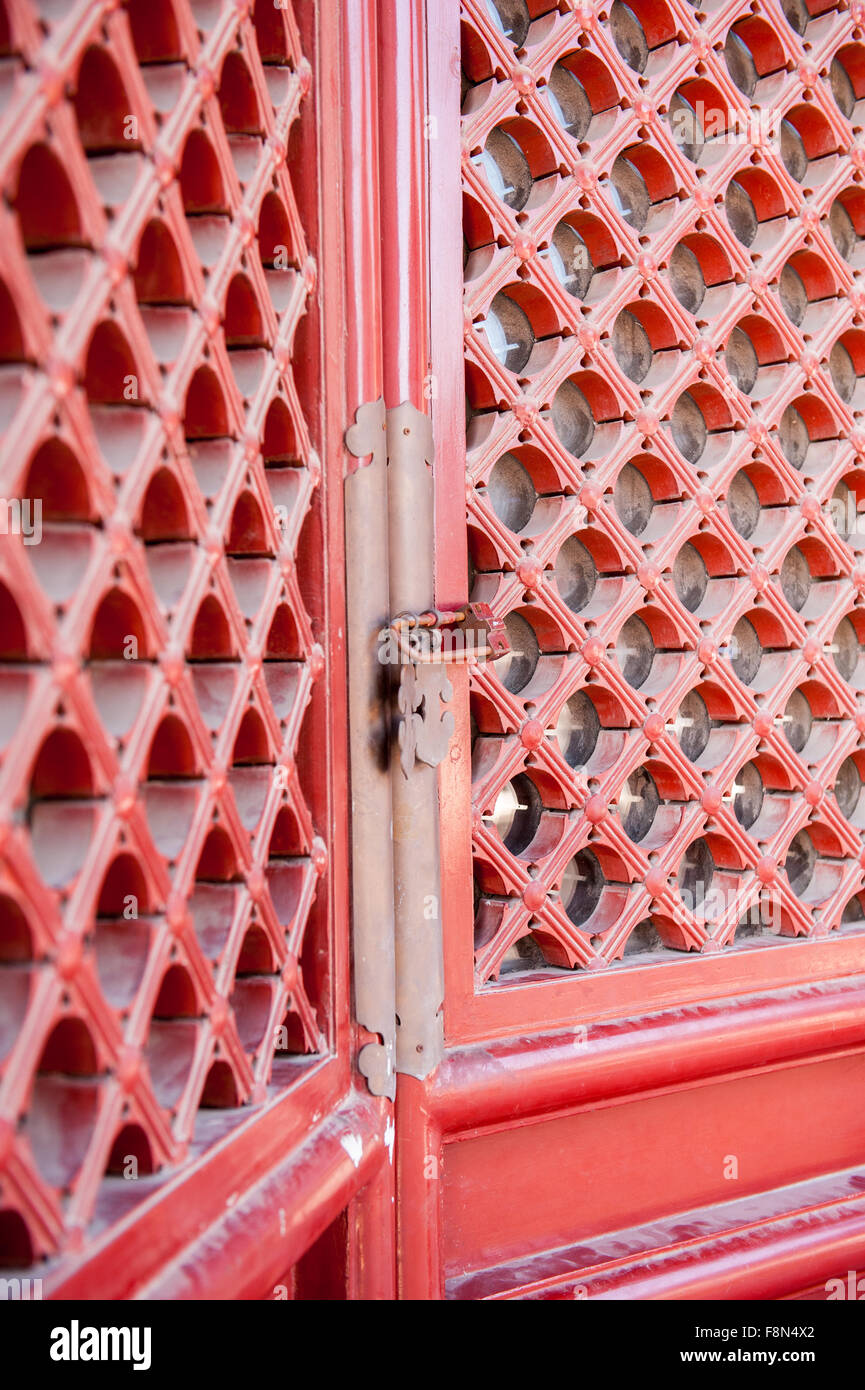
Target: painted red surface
point(592, 1088)
point(225, 228)
point(176, 1065)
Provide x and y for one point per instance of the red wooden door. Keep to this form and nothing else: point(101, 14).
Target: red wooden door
point(530, 977)
point(178, 1108)
point(644, 391)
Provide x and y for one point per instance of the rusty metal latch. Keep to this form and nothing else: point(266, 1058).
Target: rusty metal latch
point(472, 633)
point(422, 644)
point(396, 873)
point(425, 730)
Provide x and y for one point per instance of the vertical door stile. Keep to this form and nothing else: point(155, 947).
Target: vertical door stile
point(367, 597)
point(418, 924)
point(446, 390)
point(417, 919)
point(371, 1239)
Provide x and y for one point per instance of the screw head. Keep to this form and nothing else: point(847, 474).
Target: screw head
point(289, 973)
point(316, 661)
point(711, 800)
point(648, 575)
point(759, 577)
point(124, 797)
point(526, 412)
point(205, 82)
point(176, 914)
point(169, 411)
point(532, 733)
point(165, 170)
point(128, 1068)
point(70, 950)
point(524, 247)
point(52, 82)
point(813, 793)
point(705, 501)
point(115, 261)
point(119, 537)
point(589, 337)
point(767, 869)
point(245, 224)
point(65, 669)
point(61, 377)
point(319, 856)
point(656, 882)
point(811, 651)
point(529, 573)
point(523, 79)
point(703, 350)
point(654, 727)
point(534, 895)
point(219, 1013)
point(648, 422)
point(172, 665)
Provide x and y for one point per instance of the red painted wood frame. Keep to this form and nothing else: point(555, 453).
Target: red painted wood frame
point(627, 1093)
point(611, 1099)
point(247, 216)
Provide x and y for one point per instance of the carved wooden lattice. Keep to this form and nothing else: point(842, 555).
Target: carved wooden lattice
point(160, 866)
point(663, 218)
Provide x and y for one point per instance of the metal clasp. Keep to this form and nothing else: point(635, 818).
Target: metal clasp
point(472, 633)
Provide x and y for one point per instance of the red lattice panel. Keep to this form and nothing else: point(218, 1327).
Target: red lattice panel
point(664, 218)
point(160, 865)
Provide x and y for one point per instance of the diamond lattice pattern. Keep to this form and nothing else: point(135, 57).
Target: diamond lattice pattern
point(159, 866)
point(665, 375)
